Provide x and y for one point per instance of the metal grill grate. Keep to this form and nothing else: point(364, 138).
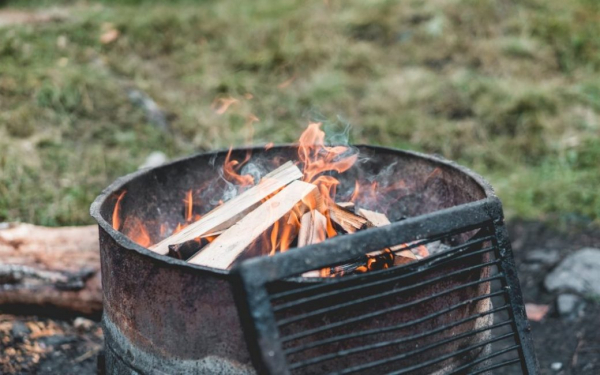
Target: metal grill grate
point(455, 312)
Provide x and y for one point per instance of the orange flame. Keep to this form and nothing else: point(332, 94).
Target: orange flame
point(116, 217)
point(231, 168)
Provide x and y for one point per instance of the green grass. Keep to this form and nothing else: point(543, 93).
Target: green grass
point(510, 89)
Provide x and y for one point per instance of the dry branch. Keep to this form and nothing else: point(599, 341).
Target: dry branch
point(225, 249)
point(233, 210)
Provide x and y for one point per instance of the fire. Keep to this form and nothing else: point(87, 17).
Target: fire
point(320, 165)
point(231, 168)
point(116, 217)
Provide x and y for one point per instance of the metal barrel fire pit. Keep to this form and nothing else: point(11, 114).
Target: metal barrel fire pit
point(457, 311)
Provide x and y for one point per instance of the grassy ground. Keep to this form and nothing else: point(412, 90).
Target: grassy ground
point(510, 89)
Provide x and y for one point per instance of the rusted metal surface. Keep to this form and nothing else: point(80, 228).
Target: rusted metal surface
point(162, 314)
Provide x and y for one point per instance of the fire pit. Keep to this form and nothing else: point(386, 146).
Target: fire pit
point(458, 310)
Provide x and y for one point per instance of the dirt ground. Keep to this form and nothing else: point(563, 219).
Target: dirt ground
point(33, 344)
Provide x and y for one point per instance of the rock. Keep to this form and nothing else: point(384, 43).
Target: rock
point(578, 273)
point(83, 324)
point(570, 306)
point(545, 257)
point(19, 331)
point(556, 366)
point(155, 159)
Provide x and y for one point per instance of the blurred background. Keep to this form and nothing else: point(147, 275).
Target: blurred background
point(90, 89)
point(93, 90)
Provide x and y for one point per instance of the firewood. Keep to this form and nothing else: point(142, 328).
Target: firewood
point(346, 205)
point(347, 220)
point(380, 220)
point(187, 249)
point(58, 267)
point(233, 210)
point(225, 249)
point(313, 227)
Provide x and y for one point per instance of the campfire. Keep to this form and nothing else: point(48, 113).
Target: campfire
point(294, 205)
point(309, 259)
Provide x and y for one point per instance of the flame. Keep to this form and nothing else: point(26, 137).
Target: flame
point(189, 204)
point(116, 217)
point(231, 168)
point(320, 165)
point(135, 229)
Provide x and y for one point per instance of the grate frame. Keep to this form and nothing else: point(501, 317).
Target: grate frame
point(253, 277)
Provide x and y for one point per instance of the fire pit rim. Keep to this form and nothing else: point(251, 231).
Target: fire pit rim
point(129, 244)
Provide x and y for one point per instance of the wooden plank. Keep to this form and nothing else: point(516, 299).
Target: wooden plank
point(347, 220)
point(225, 249)
point(346, 205)
point(313, 228)
point(380, 220)
point(233, 210)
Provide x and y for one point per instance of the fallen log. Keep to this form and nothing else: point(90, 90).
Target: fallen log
point(233, 210)
point(225, 249)
point(57, 267)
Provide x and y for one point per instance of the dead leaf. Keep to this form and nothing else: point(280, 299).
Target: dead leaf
point(535, 312)
point(109, 36)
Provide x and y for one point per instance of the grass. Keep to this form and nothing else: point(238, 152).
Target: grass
point(510, 89)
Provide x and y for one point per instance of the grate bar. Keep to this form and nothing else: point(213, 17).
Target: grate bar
point(460, 369)
point(425, 348)
point(362, 286)
point(385, 311)
point(446, 254)
point(330, 340)
point(498, 365)
point(384, 344)
point(358, 301)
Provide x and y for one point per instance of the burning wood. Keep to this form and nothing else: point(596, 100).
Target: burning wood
point(279, 211)
point(223, 251)
point(313, 228)
point(347, 220)
point(233, 210)
point(380, 220)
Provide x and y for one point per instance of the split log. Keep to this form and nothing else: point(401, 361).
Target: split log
point(346, 205)
point(380, 220)
point(313, 228)
point(347, 220)
point(225, 249)
point(56, 267)
point(233, 210)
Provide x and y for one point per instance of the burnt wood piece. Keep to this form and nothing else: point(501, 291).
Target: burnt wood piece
point(233, 210)
point(187, 249)
point(58, 267)
point(347, 220)
point(223, 251)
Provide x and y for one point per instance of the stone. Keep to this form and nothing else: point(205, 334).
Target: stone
point(577, 273)
point(556, 366)
point(545, 257)
point(569, 306)
point(83, 324)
